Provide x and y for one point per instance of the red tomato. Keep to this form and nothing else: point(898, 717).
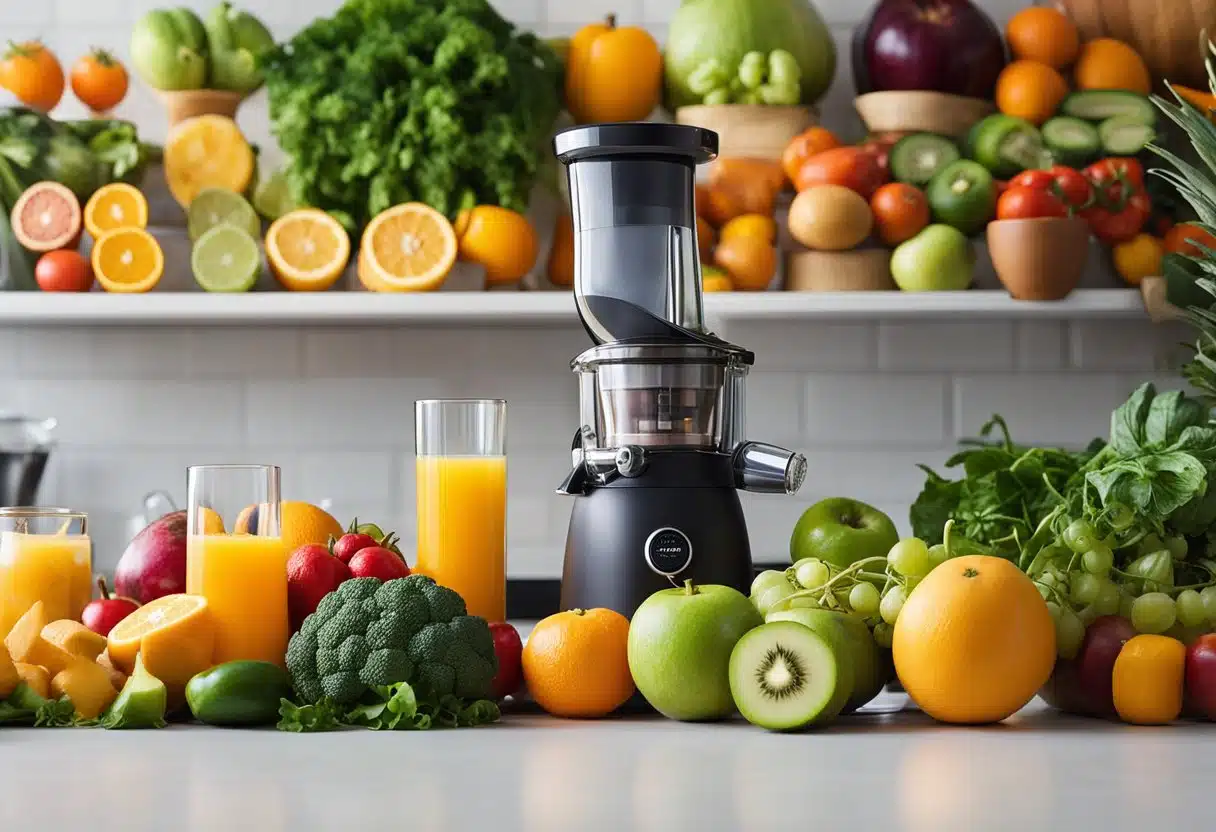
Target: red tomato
point(1068, 184)
point(1119, 224)
point(1023, 203)
point(63, 271)
point(1117, 168)
point(851, 167)
point(509, 650)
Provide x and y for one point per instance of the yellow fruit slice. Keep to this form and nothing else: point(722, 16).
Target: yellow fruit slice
point(308, 250)
point(207, 152)
point(175, 634)
point(408, 248)
point(117, 205)
point(128, 260)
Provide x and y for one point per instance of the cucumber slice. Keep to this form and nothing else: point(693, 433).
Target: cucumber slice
point(1124, 136)
point(1099, 105)
point(1071, 141)
point(915, 159)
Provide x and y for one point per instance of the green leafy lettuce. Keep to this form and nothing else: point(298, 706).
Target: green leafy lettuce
point(391, 101)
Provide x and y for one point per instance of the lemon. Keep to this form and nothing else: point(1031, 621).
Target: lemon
point(207, 151)
point(226, 259)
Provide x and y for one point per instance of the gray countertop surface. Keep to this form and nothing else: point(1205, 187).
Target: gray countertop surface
point(1038, 771)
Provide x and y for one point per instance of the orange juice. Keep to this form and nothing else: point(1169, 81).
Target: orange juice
point(462, 523)
point(244, 579)
point(54, 569)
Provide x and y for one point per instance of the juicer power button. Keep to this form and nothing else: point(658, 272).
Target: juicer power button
point(668, 551)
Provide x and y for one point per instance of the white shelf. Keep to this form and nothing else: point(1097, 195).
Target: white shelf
point(530, 308)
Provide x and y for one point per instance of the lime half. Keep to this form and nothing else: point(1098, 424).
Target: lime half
point(226, 259)
point(272, 197)
point(217, 206)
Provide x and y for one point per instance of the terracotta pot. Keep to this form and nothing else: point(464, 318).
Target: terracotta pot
point(750, 130)
point(1039, 259)
point(1166, 34)
point(901, 111)
point(860, 270)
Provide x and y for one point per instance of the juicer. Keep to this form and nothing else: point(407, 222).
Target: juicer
point(659, 456)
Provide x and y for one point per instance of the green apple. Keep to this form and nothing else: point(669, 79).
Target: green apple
point(842, 531)
point(938, 259)
point(850, 637)
point(680, 642)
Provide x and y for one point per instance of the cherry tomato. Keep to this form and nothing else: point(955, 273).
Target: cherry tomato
point(1023, 203)
point(1182, 239)
point(63, 271)
point(1120, 207)
point(31, 72)
point(99, 81)
point(900, 212)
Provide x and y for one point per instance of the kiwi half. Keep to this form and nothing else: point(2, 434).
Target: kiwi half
point(785, 676)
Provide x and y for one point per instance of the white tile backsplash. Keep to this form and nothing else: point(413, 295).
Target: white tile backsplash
point(866, 400)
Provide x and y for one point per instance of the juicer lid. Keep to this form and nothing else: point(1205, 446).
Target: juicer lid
point(679, 141)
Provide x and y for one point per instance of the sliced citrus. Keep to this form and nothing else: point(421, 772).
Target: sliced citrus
point(408, 248)
point(207, 152)
point(128, 260)
point(117, 205)
point(172, 624)
point(46, 217)
point(272, 197)
point(219, 206)
point(226, 259)
point(308, 250)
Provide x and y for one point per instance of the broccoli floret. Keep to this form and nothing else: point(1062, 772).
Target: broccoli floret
point(371, 634)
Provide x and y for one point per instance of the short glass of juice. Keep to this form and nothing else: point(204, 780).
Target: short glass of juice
point(237, 560)
point(461, 462)
point(45, 555)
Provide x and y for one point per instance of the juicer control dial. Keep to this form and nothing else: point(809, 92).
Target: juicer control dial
point(668, 551)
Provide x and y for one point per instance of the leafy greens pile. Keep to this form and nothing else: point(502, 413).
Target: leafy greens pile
point(390, 101)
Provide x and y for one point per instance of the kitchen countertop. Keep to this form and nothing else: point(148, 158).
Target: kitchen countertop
point(1039, 771)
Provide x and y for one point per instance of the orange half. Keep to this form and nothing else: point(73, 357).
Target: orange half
point(308, 250)
point(128, 260)
point(174, 632)
point(117, 205)
point(408, 248)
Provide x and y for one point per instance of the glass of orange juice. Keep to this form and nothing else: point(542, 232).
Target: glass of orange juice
point(242, 575)
point(45, 555)
point(461, 462)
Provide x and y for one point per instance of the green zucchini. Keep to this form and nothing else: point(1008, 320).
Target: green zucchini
point(1071, 141)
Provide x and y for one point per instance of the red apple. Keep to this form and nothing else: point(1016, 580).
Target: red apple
point(101, 614)
point(1104, 638)
point(1063, 689)
point(1201, 677)
point(378, 562)
point(154, 563)
point(509, 650)
point(312, 573)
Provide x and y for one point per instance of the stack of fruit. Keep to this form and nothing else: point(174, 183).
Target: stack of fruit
point(736, 229)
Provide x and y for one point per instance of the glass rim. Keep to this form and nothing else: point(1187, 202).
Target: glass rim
point(235, 466)
point(42, 511)
point(459, 401)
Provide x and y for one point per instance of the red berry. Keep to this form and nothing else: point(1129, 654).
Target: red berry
point(378, 562)
point(350, 544)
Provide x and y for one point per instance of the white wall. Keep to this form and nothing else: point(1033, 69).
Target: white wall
point(333, 407)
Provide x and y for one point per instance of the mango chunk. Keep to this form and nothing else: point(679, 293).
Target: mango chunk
point(26, 644)
point(75, 638)
point(87, 684)
point(9, 677)
point(36, 677)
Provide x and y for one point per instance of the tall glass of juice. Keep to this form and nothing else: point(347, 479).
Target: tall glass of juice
point(45, 555)
point(237, 560)
point(461, 461)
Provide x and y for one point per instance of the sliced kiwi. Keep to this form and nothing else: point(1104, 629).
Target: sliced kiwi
point(785, 676)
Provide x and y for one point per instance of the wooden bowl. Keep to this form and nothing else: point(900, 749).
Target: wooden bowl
point(1166, 34)
point(859, 270)
point(183, 104)
point(1039, 259)
point(750, 130)
point(900, 111)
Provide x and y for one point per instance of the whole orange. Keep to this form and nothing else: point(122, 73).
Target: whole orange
point(751, 262)
point(1030, 90)
point(974, 641)
point(1109, 64)
point(576, 663)
point(1044, 34)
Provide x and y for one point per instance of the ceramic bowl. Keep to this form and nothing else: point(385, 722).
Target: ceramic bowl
point(900, 111)
point(750, 131)
point(1039, 259)
point(859, 270)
